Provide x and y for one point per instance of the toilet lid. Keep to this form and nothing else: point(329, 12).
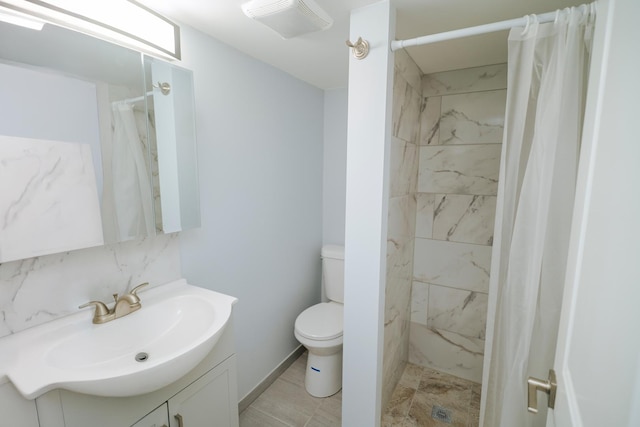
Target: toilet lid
point(321, 322)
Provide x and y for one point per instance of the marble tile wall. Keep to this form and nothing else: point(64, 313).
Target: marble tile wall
point(49, 200)
point(36, 290)
point(401, 226)
point(490, 77)
point(461, 123)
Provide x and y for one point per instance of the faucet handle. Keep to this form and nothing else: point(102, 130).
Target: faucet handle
point(101, 308)
point(134, 291)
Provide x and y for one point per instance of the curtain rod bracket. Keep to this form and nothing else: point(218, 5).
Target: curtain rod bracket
point(360, 48)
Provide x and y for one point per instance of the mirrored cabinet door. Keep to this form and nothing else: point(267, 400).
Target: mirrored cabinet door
point(82, 159)
point(172, 117)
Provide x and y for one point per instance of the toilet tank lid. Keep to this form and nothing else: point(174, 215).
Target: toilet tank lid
point(332, 251)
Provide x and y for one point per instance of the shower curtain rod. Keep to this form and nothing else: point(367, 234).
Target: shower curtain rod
point(134, 100)
point(474, 31)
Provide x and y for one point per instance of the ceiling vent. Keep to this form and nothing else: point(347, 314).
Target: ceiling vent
point(289, 18)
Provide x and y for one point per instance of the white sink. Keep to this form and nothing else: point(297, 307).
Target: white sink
point(177, 326)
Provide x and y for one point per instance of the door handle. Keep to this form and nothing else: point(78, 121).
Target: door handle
point(180, 421)
point(534, 385)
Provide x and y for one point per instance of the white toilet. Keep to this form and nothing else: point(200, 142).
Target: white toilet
point(319, 328)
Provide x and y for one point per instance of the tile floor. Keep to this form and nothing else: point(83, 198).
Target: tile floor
point(287, 404)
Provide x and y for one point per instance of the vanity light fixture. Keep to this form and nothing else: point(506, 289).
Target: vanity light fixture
point(124, 22)
point(16, 18)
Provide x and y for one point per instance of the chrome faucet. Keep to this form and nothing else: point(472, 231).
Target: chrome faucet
point(126, 304)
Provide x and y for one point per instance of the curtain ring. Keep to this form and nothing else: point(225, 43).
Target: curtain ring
point(526, 27)
point(585, 13)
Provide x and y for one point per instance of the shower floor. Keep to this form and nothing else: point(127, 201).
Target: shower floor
point(428, 398)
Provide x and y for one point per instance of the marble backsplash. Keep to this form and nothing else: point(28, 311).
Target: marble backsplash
point(36, 290)
point(461, 124)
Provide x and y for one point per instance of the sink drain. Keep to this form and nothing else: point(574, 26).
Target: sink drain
point(142, 357)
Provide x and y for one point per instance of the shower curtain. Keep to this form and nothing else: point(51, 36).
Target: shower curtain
point(547, 66)
point(132, 192)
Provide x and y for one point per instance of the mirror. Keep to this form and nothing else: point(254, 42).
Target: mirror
point(175, 150)
point(93, 149)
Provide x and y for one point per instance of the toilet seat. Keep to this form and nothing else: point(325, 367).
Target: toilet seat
point(321, 322)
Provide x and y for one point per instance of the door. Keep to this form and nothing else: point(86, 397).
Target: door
point(157, 418)
point(209, 401)
point(598, 350)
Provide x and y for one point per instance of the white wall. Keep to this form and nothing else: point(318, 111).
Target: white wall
point(334, 182)
point(369, 135)
point(260, 168)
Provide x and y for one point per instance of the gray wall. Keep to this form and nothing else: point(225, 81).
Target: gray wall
point(260, 138)
point(334, 188)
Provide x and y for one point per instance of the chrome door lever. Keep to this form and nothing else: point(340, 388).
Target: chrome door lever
point(535, 385)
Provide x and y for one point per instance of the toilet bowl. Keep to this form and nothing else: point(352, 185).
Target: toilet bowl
point(319, 329)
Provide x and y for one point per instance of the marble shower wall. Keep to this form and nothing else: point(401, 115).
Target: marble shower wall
point(401, 227)
point(461, 124)
point(36, 290)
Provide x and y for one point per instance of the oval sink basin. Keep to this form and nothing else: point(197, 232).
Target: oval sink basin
point(177, 326)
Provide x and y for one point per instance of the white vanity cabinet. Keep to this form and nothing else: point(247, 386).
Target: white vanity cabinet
point(15, 410)
point(158, 418)
point(206, 402)
point(206, 396)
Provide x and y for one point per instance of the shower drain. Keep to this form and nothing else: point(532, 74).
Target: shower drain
point(439, 413)
point(142, 357)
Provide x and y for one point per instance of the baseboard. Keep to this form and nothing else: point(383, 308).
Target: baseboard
point(269, 379)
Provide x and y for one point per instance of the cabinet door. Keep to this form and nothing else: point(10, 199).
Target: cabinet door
point(210, 401)
point(157, 418)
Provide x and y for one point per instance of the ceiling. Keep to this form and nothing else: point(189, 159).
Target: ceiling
point(321, 58)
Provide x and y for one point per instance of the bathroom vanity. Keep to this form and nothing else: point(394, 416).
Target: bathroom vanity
point(171, 363)
point(98, 145)
point(207, 395)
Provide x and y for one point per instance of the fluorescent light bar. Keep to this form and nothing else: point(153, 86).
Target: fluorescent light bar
point(124, 22)
point(15, 18)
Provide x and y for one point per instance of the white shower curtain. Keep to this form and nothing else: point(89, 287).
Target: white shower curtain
point(132, 191)
point(547, 66)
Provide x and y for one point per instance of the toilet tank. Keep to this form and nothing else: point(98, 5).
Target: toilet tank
point(333, 272)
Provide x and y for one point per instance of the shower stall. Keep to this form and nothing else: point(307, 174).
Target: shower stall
point(444, 167)
point(446, 153)
point(478, 206)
